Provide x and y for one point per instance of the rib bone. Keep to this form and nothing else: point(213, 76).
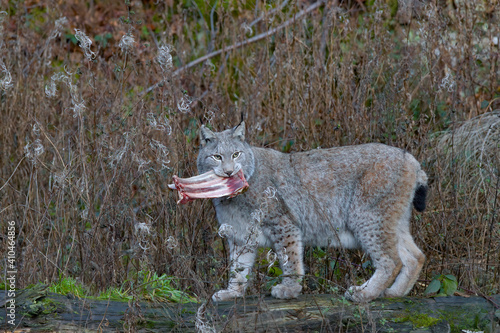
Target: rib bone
point(208, 185)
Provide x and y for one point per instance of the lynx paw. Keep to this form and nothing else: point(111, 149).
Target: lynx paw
point(226, 295)
point(286, 291)
point(354, 294)
point(359, 294)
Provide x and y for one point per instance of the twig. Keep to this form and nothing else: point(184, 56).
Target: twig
point(212, 29)
point(489, 299)
point(492, 219)
point(22, 159)
point(241, 44)
point(257, 20)
point(153, 36)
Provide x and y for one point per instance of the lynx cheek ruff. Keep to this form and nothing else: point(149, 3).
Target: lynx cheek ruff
point(208, 185)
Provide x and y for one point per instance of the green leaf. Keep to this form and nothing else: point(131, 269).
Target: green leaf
point(451, 277)
point(367, 264)
point(275, 271)
point(319, 253)
point(449, 286)
point(72, 38)
point(433, 287)
point(484, 104)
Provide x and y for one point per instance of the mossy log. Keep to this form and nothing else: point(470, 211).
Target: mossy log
point(42, 311)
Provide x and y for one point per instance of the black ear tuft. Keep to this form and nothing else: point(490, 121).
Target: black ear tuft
point(239, 131)
point(420, 198)
point(206, 135)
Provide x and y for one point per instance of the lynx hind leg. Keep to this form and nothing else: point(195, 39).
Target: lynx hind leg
point(288, 245)
point(413, 261)
point(242, 259)
point(381, 246)
point(386, 269)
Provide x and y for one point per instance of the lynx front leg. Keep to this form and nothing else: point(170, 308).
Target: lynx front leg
point(288, 245)
point(242, 259)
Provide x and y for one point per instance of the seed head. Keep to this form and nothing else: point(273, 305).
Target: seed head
point(184, 105)
point(126, 43)
point(33, 150)
point(225, 230)
point(161, 153)
point(164, 58)
point(58, 27)
point(6, 81)
point(271, 258)
point(142, 228)
point(85, 43)
point(172, 243)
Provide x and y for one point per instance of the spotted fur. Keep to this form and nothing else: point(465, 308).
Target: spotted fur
point(353, 197)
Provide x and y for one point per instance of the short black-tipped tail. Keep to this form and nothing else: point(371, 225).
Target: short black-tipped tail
point(420, 197)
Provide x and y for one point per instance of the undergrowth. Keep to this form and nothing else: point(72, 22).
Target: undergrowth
point(89, 142)
point(148, 286)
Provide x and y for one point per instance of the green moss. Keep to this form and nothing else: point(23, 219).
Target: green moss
point(50, 306)
point(469, 318)
point(394, 300)
point(418, 319)
point(45, 307)
point(423, 320)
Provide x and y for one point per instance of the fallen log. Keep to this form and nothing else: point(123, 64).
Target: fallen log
point(39, 310)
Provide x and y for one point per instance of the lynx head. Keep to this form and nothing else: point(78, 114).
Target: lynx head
point(225, 152)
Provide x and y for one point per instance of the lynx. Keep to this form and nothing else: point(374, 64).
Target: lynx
point(352, 197)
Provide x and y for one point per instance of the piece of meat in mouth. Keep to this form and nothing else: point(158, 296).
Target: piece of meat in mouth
point(208, 185)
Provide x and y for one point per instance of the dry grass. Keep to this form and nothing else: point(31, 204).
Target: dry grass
point(84, 170)
point(469, 157)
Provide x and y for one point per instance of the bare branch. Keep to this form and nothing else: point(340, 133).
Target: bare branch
point(241, 44)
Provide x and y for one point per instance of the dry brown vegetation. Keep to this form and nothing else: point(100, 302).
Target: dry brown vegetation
point(85, 167)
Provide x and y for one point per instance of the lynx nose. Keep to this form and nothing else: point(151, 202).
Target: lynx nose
point(229, 173)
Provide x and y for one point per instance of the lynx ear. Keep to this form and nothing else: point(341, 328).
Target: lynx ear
point(239, 131)
point(206, 135)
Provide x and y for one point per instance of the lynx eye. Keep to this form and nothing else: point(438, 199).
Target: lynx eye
point(217, 157)
point(236, 154)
